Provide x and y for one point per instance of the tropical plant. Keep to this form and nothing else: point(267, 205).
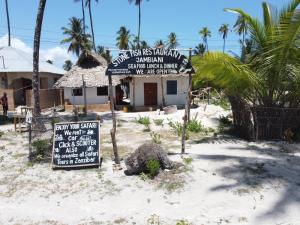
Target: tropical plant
point(68, 65)
point(271, 75)
point(36, 51)
point(135, 46)
point(205, 34)
point(199, 49)
point(123, 39)
point(8, 23)
point(172, 41)
point(241, 27)
point(138, 3)
point(105, 53)
point(224, 29)
point(83, 14)
point(159, 44)
point(77, 39)
point(88, 4)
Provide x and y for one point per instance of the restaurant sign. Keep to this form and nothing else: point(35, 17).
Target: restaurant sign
point(149, 62)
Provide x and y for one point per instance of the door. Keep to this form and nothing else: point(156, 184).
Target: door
point(150, 94)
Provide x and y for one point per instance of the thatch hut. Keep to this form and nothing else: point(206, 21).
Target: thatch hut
point(89, 72)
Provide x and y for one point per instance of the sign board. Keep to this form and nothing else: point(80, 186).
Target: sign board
point(150, 62)
point(76, 144)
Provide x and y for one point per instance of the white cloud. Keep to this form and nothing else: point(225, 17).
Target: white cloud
point(56, 54)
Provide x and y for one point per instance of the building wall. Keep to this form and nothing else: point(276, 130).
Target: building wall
point(179, 99)
point(92, 97)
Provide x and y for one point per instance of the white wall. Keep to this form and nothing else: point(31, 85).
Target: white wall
point(179, 99)
point(91, 94)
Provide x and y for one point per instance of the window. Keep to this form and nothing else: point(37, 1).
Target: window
point(77, 92)
point(171, 87)
point(102, 91)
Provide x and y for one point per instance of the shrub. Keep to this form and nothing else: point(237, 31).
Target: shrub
point(182, 222)
point(176, 127)
point(155, 137)
point(195, 126)
point(187, 161)
point(224, 120)
point(1, 134)
point(153, 167)
point(41, 146)
point(159, 122)
point(144, 121)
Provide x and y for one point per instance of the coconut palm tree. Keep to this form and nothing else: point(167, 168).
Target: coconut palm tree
point(138, 3)
point(271, 77)
point(172, 42)
point(241, 27)
point(88, 4)
point(123, 38)
point(205, 34)
point(104, 53)
point(223, 30)
point(159, 44)
point(134, 44)
point(199, 49)
point(8, 23)
point(68, 65)
point(83, 14)
point(77, 39)
point(36, 51)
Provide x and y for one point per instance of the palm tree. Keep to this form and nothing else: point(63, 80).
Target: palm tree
point(159, 44)
point(68, 65)
point(123, 39)
point(36, 50)
point(199, 49)
point(205, 34)
point(104, 53)
point(144, 45)
point(83, 14)
point(8, 23)
point(77, 39)
point(88, 4)
point(172, 41)
point(271, 77)
point(241, 27)
point(138, 3)
point(224, 29)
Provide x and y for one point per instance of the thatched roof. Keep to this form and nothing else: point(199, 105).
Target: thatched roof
point(91, 68)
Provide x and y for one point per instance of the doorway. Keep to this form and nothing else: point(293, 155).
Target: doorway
point(150, 94)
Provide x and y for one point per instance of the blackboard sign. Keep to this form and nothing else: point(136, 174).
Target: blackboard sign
point(76, 144)
point(150, 62)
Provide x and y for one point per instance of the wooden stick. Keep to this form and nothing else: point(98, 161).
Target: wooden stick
point(189, 89)
point(114, 129)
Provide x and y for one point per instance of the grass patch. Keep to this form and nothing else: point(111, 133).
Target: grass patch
point(156, 138)
point(159, 122)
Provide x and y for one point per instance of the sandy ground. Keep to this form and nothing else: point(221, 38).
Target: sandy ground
point(229, 181)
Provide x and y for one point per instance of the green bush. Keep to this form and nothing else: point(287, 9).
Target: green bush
point(41, 147)
point(153, 167)
point(144, 121)
point(182, 222)
point(155, 137)
point(176, 127)
point(195, 126)
point(1, 134)
point(159, 122)
point(224, 120)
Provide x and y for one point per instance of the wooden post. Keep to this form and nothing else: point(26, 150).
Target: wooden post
point(84, 92)
point(114, 129)
point(163, 102)
point(133, 93)
point(186, 116)
point(189, 88)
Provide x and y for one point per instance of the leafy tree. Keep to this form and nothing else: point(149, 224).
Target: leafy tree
point(77, 39)
point(68, 65)
point(223, 30)
point(172, 41)
point(104, 53)
point(123, 38)
point(205, 34)
point(138, 3)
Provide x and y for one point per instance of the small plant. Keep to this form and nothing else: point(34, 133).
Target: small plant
point(158, 122)
point(155, 137)
point(144, 176)
point(144, 121)
point(188, 161)
point(176, 127)
point(194, 126)
point(182, 222)
point(1, 134)
point(54, 121)
point(153, 167)
point(225, 121)
point(41, 146)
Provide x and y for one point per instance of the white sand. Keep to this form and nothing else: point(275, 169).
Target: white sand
point(225, 185)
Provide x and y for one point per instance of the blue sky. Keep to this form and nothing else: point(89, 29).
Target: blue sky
point(159, 18)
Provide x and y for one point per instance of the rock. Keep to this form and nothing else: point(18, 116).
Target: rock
point(136, 163)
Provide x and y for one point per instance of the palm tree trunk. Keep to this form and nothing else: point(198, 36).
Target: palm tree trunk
point(8, 23)
point(223, 45)
point(92, 27)
point(83, 16)
point(139, 29)
point(36, 49)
